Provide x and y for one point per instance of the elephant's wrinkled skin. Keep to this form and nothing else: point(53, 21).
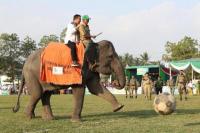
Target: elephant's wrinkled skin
point(108, 62)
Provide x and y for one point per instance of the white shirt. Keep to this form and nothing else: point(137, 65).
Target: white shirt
point(71, 34)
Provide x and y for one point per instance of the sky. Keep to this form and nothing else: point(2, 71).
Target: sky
point(133, 26)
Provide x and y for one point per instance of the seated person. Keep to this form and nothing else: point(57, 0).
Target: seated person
point(72, 37)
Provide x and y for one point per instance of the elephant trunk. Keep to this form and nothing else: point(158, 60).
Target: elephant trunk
point(119, 71)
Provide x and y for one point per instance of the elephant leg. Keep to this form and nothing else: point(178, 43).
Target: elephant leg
point(31, 107)
point(96, 89)
point(35, 91)
point(47, 112)
point(78, 96)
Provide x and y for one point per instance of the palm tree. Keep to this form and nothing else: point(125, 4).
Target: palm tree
point(127, 59)
point(137, 61)
point(144, 58)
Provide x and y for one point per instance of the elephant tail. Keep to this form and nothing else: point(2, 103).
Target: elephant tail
point(17, 106)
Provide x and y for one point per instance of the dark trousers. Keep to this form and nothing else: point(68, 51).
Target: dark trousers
point(159, 89)
point(72, 46)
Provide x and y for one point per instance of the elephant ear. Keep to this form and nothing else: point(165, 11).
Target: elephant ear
point(90, 58)
point(92, 53)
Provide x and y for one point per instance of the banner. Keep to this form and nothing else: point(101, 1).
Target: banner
point(142, 71)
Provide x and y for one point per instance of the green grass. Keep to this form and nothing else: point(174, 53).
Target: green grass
point(137, 116)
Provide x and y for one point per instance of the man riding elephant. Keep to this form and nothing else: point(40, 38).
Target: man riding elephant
point(147, 84)
point(133, 87)
point(72, 38)
point(108, 63)
point(181, 84)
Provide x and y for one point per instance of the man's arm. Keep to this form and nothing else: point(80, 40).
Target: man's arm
point(82, 30)
point(83, 33)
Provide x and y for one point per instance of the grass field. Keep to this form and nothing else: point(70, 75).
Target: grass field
point(137, 116)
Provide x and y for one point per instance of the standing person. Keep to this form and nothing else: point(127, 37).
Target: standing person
point(142, 84)
point(190, 87)
point(133, 87)
point(198, 87)
point(72, 38)
point(181, 84)
point(171, 85)
point(147, 83)
point(159, 85)
point(127, 86)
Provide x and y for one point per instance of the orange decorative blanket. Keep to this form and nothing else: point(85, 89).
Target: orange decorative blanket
point(56, 64)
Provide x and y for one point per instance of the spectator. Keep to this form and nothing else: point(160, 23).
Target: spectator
point(190, 87)
point(159, 85)
point(198, 87)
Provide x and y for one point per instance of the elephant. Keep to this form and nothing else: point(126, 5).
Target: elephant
point(108, 62)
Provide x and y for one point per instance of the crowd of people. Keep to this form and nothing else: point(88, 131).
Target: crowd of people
point(8, 89)
point(150, 86)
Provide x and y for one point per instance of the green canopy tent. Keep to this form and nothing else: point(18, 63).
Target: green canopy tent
point(185, 64)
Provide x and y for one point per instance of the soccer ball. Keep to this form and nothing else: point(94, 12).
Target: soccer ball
point(164, 104)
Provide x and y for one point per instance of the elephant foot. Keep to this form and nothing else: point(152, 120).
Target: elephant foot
point(118, 108)
point(47, 117)
point(75, 119)
point(30, 115)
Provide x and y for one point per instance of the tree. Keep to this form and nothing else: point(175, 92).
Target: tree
point(137, 61)
point(184, 49)
point(62, 35)
point(127, 59)
point(10, 53)
point(46, 39)
point(144, 58)
point(27, 46)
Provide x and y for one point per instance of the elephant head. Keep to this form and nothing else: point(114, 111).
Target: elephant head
point(109, 62)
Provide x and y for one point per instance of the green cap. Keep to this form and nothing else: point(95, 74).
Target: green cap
point(86, 17)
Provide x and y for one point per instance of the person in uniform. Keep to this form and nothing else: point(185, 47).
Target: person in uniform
point(142, 85)
point(127, 86)
point(133, 87)
point(147, 84)
point(181, 85)
point(171, 85)
point(158, 85)
point(198, 87)
point(84, 30)
point(91, 53)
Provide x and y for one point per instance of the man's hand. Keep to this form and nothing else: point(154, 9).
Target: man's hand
point(77, 26)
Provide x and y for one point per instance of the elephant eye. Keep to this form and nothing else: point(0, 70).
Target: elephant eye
point(110, 56)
